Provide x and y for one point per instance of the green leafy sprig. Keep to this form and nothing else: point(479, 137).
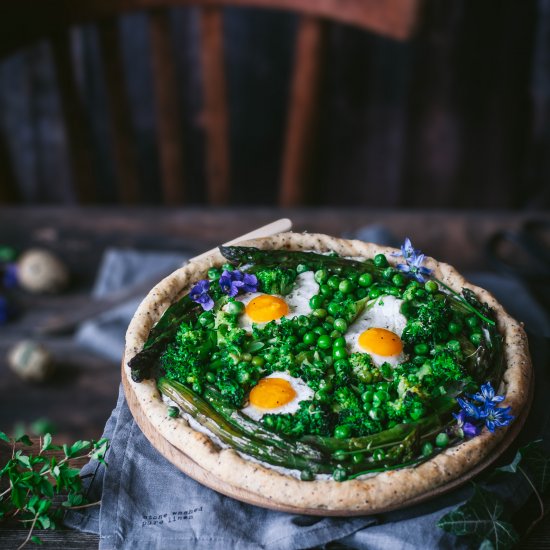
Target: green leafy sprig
point(36, 489)
point(484, 516)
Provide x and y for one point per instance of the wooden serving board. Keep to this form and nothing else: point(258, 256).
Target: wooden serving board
point(189, 467)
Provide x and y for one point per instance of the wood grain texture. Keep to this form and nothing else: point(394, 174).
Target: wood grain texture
point(302, 112)
point(215, 115)
point(120, 118)
point(74, 118)
point(395, 18)
point(168, 112)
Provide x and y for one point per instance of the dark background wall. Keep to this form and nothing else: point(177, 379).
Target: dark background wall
point(459, 116)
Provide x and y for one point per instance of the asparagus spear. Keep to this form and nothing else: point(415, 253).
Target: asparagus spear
point(208, 417)
point(290, 258)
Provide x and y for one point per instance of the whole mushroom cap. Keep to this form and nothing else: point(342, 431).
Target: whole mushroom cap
point(41, 272)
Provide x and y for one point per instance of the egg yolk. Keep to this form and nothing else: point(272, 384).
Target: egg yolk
point(381, 342)
point(266, 308)
point(270, 393)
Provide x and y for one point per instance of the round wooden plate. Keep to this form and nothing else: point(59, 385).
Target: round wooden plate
point(195, 471)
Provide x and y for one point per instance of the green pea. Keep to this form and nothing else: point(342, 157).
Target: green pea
point(214, 273)
point(339, 474)
point(243, 377)
point(421, 349)
point(307, 475)
point(302, 268)
point(431, 286)
point(472, 321)
point(342, 431)
point(341, 325)
point(328, 360)
point(339, 342)
point(420, 293)
point(442, 439)
point(398, 280)
point(417, 412)
point(388, 273)
point(258, 361)
point(320, 313)
point(367, 396)
point(453, 345)
point(341, 364)
point(361, 293)
point(366, 279)
point(366, 377)
point(374, 293)
point(292, 339)
point(454, 328)
point(335, 334)
point(228, 267)
point(357, 458)
point(427, 449)
point(333, 282)
point(211, 377)
point(339, 455)
point(173, 412)
point(345, 286)
point(475, 338)
point(380, 260)
point(325, 290)
point(379, 455)
point(375, 414)
point(324, 342)
point(321, 276)
point(309, 338)
point(235, 308)
point(316, 301)
point(379, 398)
point(340, 353)
point(334, 308)
point(319, 330)
point(329, 319)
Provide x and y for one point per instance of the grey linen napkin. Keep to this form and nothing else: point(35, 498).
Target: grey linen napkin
point(148, 503)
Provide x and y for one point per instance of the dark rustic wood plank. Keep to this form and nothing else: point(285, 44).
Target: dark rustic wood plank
point(396, 18)
point(168, 112)
point(9, 192)
point(215, 114)
point(74, 118)
point(302, 113)
point(124, 153)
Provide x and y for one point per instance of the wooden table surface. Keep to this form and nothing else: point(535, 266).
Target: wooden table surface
point(79, 400)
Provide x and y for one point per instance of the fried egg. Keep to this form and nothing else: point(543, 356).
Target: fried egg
point(377, 331)
point(278, 393)
point(262, 308)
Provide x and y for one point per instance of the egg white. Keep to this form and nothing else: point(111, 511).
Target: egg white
point(383, 312)
point(303, 393)
point(305, 287)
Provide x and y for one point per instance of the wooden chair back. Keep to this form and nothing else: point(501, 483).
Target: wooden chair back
point(24, 22)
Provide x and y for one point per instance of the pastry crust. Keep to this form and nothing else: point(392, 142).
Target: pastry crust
point(380, 491)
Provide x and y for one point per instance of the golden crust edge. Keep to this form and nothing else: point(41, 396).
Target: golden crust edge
point(383, 490)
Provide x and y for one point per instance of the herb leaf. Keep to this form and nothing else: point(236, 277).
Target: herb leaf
point(481, 517)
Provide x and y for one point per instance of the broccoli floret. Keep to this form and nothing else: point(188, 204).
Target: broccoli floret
point(445, 368)
point(408, 407)
point(428, 324)
point(184, 360)
point(363, 368)
point(348, 408)
point(276, 281)
point(310, 418)
point(227, 328)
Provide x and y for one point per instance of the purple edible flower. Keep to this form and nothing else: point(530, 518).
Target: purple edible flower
point(10, 276)
point(487, 395)
point(4, 311)
point(470, 410)
point(496, 417)
point(199, 294)
point(467, 428)
point(231, 282)
point(413, 262)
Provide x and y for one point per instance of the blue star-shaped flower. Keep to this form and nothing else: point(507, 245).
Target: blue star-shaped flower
point(463, 423)
point(496, 417)
point(413, 262)
point(231, 282)
point(487, 395)
point(469, 409)
point(199, 294)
